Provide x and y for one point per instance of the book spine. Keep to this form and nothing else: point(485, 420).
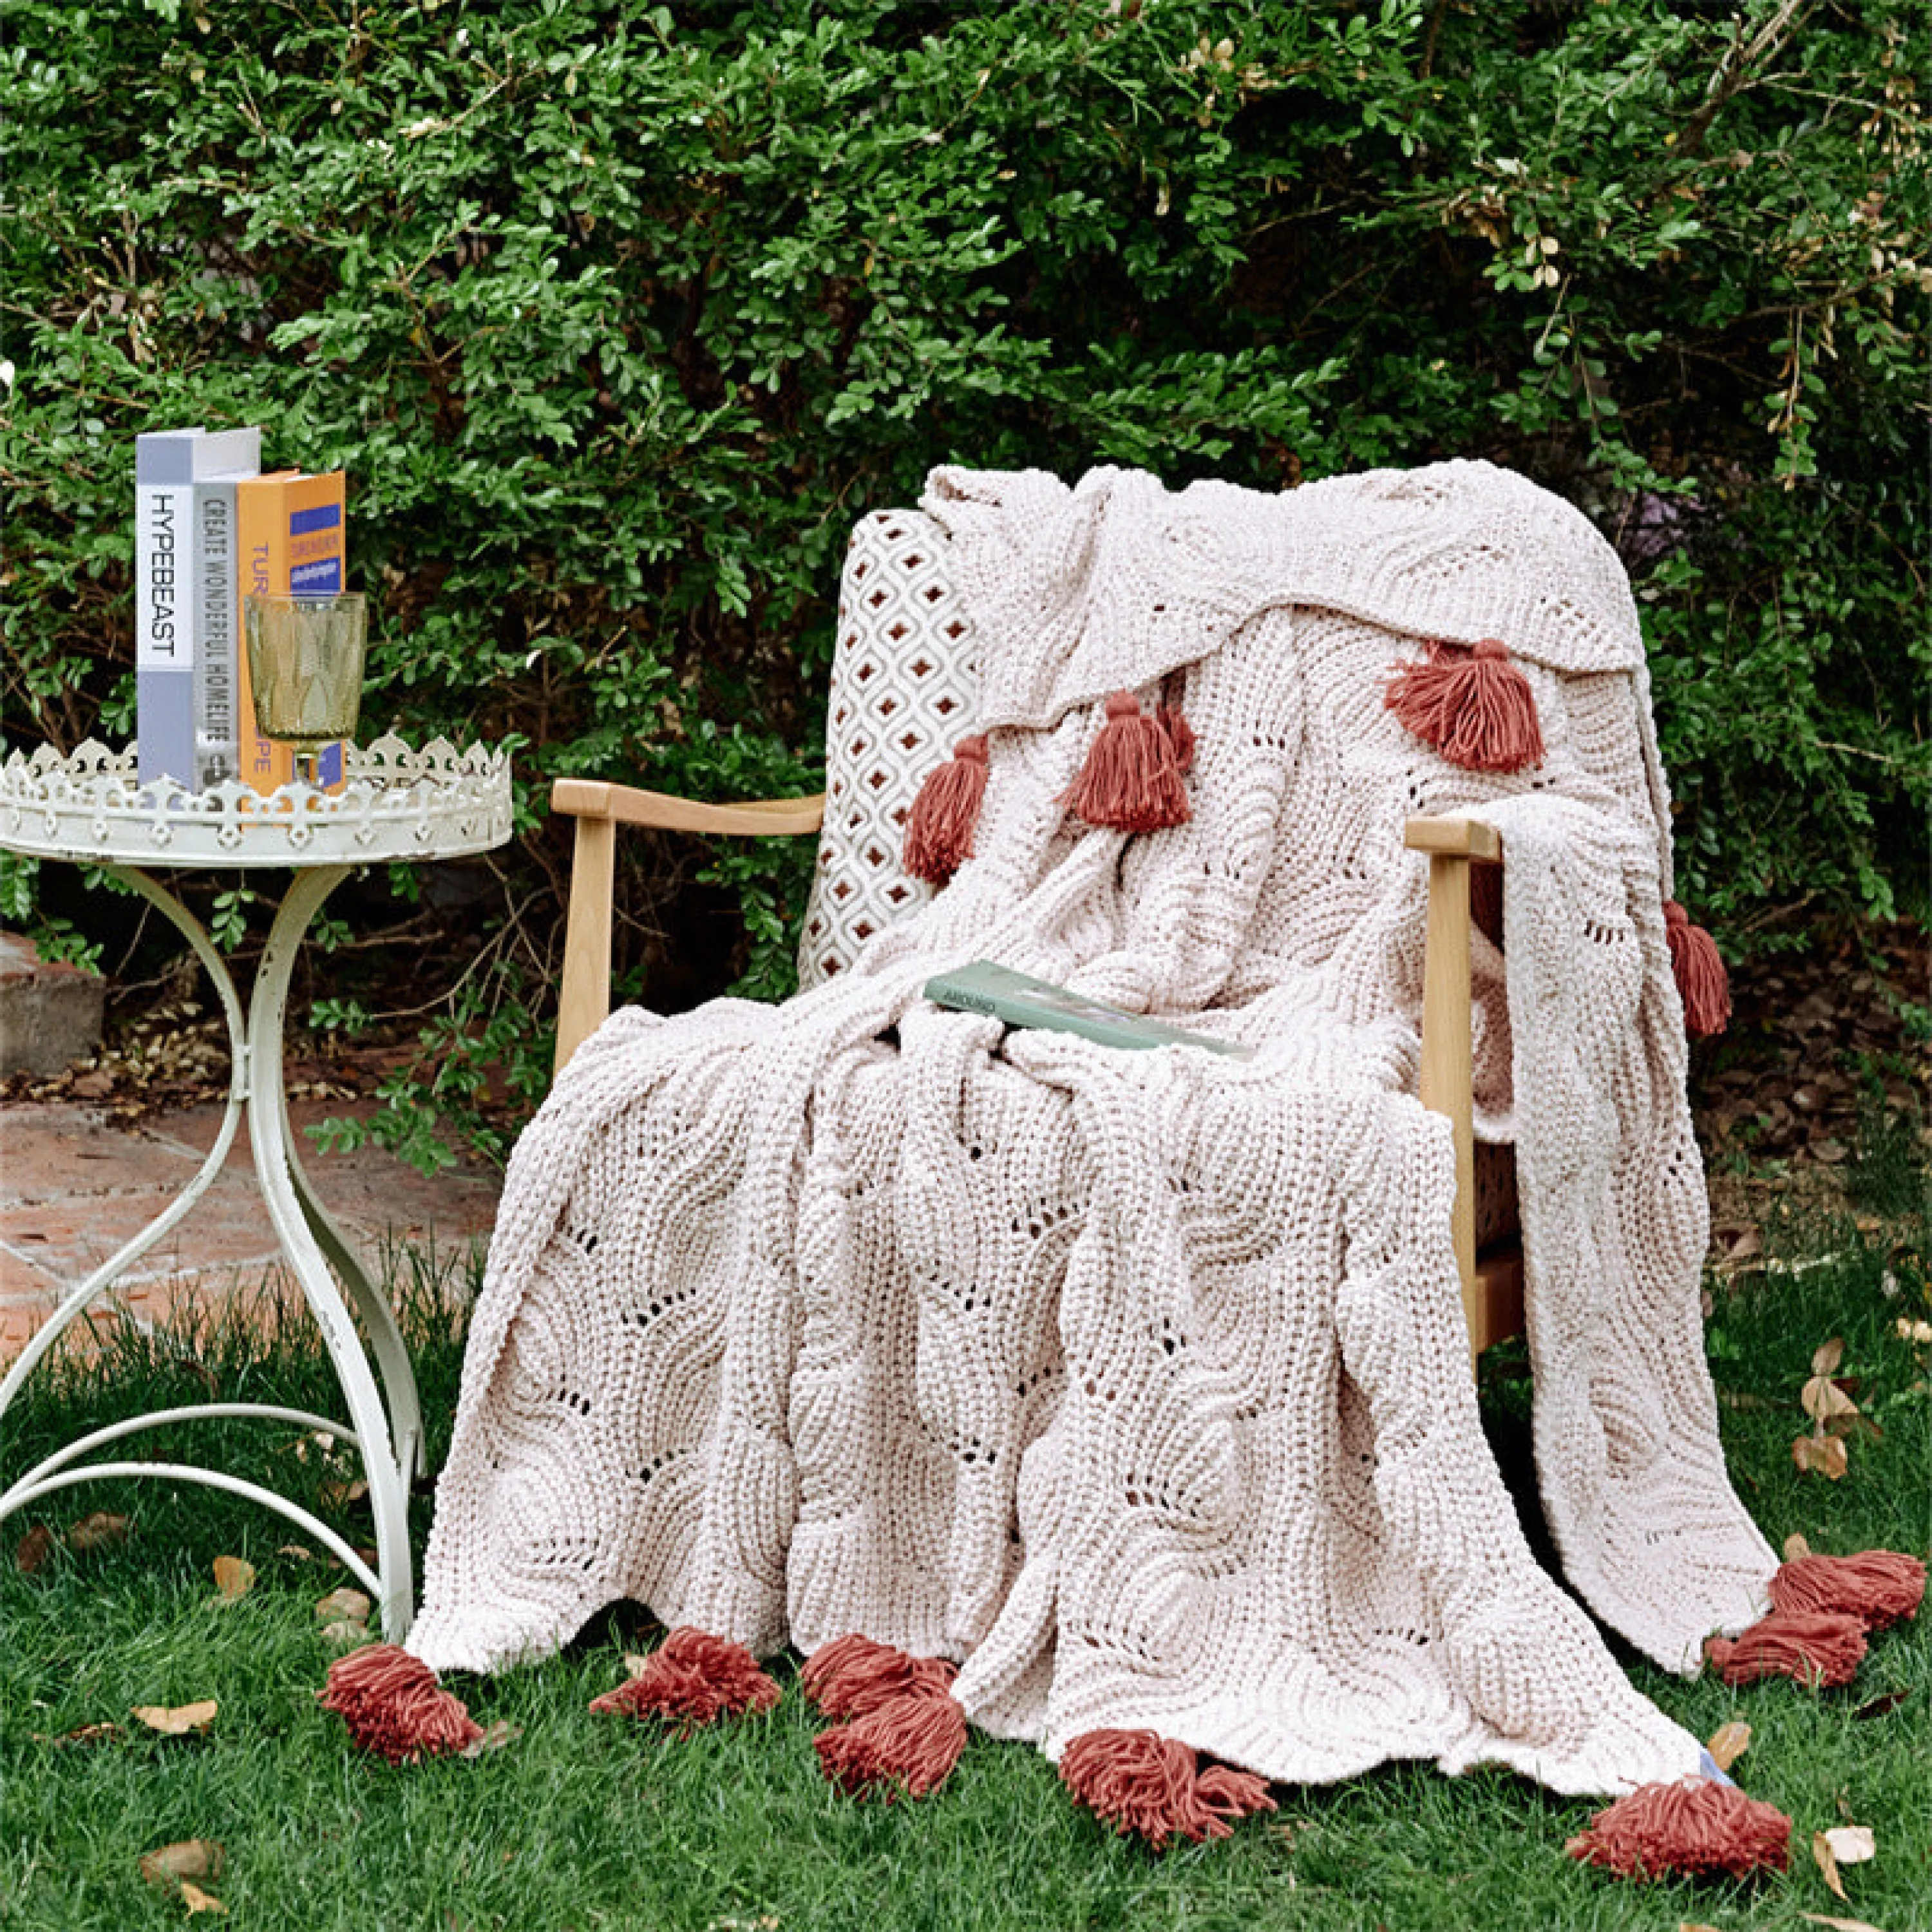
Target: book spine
point(164, 632)
point(217, 744)
point(1016, 1009)
point(264, 764)
point(318, 567)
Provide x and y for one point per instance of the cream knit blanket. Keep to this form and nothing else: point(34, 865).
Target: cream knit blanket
point(1136, 1382)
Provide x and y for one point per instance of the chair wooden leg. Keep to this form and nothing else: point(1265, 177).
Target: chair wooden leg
point(1448, 1060)
point(585, 999)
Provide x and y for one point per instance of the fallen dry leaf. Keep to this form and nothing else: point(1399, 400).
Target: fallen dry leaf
point(300, 1552)
point(315, 1444)
point(1825, 1358)
point(84, 1734)
point(339, 1492)
point(1837, 1924)
point(191, 1858)
point(31, 1552)
point(1796, 1546)
point(347, 1605)
point(98, 1530)
point(345, 1635)
point(1851, 1844)
point(1694, 1925)
point(234, 1577)
point(633, 1664)
point(177, 1721)
point(1824, 1855)
point(1883, 1705)
point(1729, 1742)
point(1908, 1330)
point(494, 1737)
point(1823, 1400)
point(196, 1899)
point(1855, 1425)
point(1824, 1454)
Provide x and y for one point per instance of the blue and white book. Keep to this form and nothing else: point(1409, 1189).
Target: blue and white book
point(173, 591)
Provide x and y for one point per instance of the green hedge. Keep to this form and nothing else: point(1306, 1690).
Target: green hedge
point(618, 315)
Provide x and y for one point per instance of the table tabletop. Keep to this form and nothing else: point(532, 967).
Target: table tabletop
point(442, 802)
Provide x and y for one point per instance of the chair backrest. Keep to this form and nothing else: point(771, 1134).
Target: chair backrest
point(905, 686)
point(904, 689)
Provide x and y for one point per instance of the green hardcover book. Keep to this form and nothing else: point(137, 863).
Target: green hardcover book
point(982, 987)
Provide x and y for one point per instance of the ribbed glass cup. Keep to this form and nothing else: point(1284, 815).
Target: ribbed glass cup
point(305, 663)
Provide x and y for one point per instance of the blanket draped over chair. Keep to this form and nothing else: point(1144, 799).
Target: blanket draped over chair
point(1135, 1383)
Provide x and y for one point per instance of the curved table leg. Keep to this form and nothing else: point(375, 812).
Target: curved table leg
point(385, 1419)
point(388, 1486)
point(191, 929)
point(379, 1319)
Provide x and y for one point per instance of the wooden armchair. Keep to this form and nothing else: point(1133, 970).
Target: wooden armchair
point(1492, 1279)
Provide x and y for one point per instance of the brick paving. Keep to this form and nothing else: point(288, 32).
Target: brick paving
point(74, 1186)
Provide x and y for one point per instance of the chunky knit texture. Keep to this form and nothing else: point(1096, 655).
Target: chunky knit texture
point(1136, 1383)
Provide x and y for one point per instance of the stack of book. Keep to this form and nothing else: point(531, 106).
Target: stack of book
point(209, 530)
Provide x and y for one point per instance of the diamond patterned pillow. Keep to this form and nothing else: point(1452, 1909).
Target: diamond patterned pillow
point(905, 685)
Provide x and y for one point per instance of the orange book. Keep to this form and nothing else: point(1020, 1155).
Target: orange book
point(288, 531)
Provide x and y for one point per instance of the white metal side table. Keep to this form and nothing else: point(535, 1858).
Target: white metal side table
point(398, 804)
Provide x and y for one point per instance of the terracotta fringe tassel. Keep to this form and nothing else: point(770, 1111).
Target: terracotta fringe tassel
point(1879, 1587)
point(1700, 970)
point(1698, 1827)
point(394, 1706)
point(1131, 781)
point(1819, 1649)
point(939, 827)
point(1472, 704)
point(1139, 1781)
point(693, 1679)
point(907, 1730)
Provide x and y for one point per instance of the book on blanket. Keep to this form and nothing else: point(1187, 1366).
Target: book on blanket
point(981, 986)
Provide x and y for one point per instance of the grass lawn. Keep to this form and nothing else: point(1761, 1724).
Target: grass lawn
point(582, 1821)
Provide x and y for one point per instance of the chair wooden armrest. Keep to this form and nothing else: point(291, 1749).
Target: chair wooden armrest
point(1492, 1282)
point(599, 808)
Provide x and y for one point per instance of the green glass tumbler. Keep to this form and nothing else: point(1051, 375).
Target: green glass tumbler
point(305, 663)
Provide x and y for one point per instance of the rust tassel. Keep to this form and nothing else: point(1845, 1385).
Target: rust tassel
point(1472, 703)
point(394, 1706)
point(1879, 1587)
point(907, 1730)
point(1139, 1781)
point(1697, 1826)
point(1180, 736)
point(693, 1679)
point(939, 827)
point(908, 1743)
point(1699, 971)
point(852, 1676)
point(1818, 1649)
point(1131, 780)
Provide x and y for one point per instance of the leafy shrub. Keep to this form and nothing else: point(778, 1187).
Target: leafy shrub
point(617, 315)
